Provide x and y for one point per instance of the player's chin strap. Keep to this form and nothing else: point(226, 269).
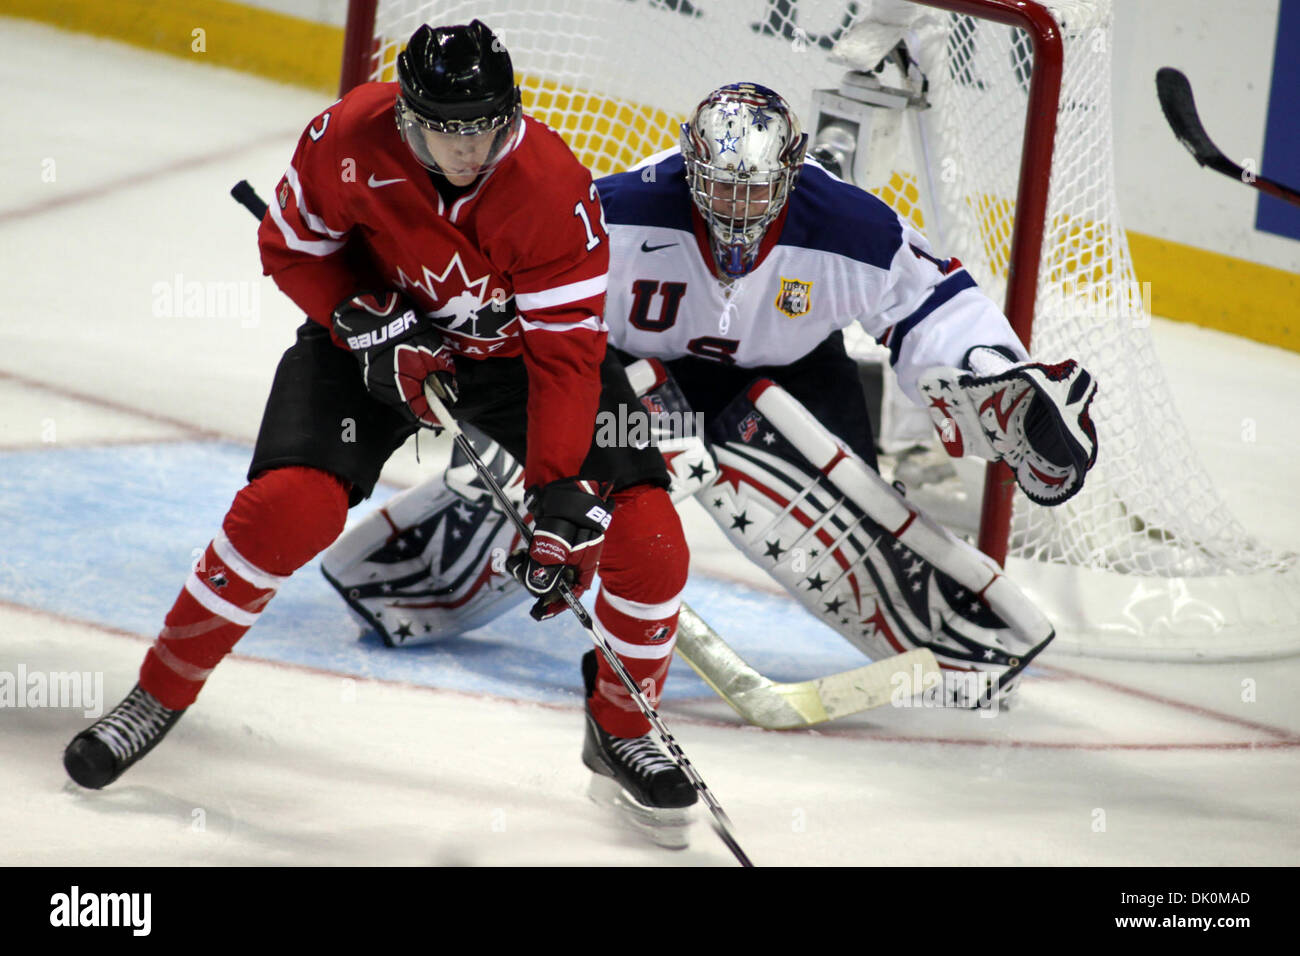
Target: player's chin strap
point(721, 822)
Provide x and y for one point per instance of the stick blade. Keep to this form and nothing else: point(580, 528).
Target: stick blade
point(1179, 107)
point(878, 684)
point(776, 706)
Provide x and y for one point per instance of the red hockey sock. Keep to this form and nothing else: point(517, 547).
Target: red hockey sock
point(642, 571)
point(277, 523)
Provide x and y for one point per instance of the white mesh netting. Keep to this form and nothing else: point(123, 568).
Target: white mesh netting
point(1147, 560)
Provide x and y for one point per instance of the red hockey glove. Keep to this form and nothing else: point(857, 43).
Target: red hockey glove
point(398, 349)
point(568, 536)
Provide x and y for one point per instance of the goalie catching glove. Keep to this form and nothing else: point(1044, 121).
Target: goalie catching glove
point(1032, 416)
point(398, 349)
point(571, 519)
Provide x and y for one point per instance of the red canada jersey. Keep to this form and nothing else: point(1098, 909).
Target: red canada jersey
point(515, 267)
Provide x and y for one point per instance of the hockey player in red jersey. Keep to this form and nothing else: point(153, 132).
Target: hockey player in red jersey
point(432, 231)
point(735, 267)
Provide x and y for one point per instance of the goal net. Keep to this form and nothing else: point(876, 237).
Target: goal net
point(1147, 561)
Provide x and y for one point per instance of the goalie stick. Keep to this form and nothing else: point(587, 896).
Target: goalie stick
point(244, 193)
point(776, 706)
point(1175, 94)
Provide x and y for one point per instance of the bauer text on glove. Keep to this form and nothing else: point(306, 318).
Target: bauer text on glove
point(398, 349)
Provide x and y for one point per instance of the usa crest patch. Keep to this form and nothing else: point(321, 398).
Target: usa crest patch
point(795, 298)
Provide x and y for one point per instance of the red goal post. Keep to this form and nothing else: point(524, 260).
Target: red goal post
point(359, 44)
point(1031, 212)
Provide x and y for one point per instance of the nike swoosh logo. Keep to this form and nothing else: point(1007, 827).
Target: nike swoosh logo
point(374, 183)
point(646, 247)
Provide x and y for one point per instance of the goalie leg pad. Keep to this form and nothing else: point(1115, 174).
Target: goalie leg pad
point(854, 551)
point(430, 564)
point(425, 566)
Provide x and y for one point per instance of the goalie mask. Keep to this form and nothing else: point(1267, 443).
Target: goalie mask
point(743, 151)
point(459, 109)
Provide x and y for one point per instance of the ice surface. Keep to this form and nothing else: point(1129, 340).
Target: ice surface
point(126, 431)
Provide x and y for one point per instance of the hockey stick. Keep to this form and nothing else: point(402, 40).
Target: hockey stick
point(722, 823)
point(776, 706)
point(247, 197)
point(1175, 94)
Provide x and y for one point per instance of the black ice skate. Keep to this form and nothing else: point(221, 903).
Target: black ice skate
point(99, 754)
point(634, 777)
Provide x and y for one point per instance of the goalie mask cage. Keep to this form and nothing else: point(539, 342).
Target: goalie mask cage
point(1010, 170)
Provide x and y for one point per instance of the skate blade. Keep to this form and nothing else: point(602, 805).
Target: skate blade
point(666, 827)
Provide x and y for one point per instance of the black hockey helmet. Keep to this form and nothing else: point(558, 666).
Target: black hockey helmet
point(457, 81)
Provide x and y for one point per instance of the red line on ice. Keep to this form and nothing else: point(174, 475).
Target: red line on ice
point(670, 706)
point(100, 401)
point(141, 178)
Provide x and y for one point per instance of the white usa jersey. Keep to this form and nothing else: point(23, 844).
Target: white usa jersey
point(836, 255)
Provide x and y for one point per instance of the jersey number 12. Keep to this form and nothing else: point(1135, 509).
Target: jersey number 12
point(580, 211)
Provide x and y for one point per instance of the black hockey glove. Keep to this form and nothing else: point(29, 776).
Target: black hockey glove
point(398, 349)
point(568, 534)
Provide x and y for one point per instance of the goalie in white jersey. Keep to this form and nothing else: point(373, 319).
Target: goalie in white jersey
point(735, 266)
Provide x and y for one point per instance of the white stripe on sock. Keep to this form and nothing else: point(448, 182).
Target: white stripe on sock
point(643, 612)
point(641, 652)
point(178, 666)
point(217, 605)
point(243, 567)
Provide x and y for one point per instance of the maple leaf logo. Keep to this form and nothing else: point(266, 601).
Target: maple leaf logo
point(462, 306)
